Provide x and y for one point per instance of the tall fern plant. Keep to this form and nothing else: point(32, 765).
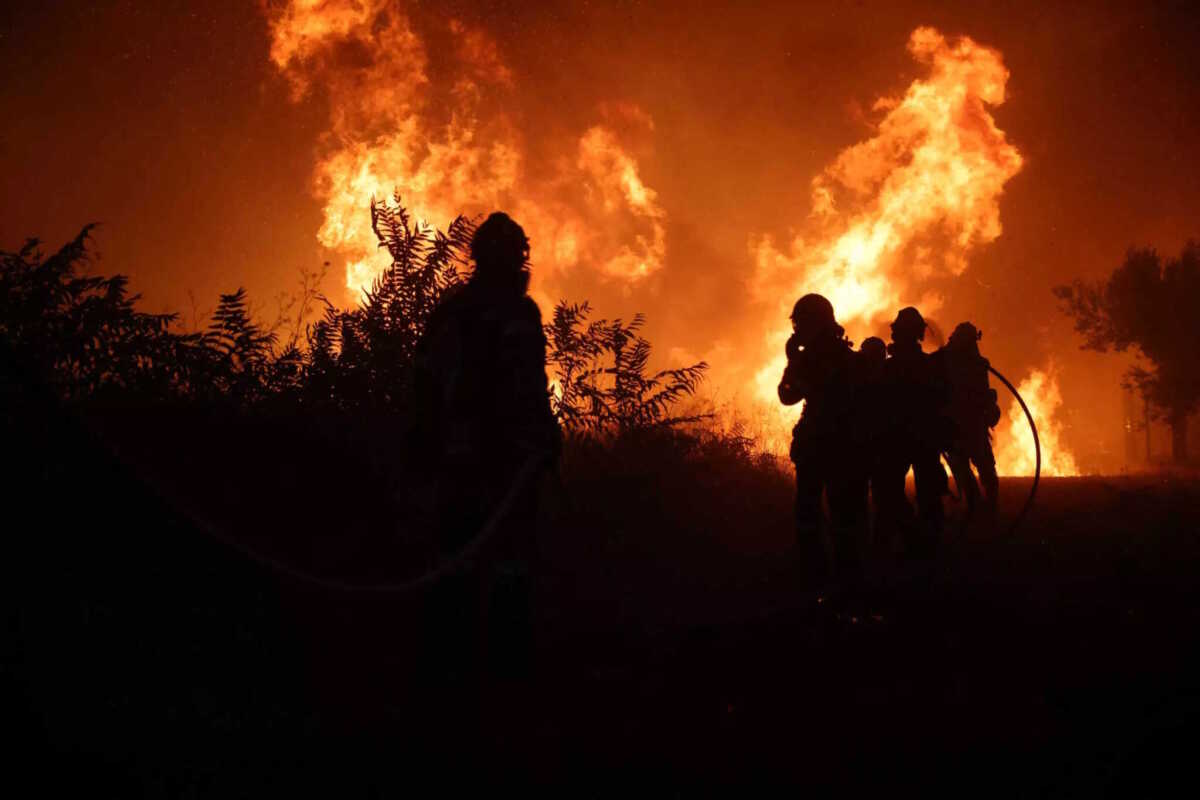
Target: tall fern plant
point(602, 381)
point(84, 335)
point(362, 358)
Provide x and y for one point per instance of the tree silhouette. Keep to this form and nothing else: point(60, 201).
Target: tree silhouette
point(1154, 307)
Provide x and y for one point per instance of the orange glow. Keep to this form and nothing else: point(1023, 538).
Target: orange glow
point(891, 212)
point(371, 66)
point(889, 215)
point(614, 178)
point(1014, 441)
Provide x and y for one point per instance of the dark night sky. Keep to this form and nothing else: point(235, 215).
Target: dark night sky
point(167, 123)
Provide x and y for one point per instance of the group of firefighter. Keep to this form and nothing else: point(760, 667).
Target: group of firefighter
point(869, 417)
point(872, 415)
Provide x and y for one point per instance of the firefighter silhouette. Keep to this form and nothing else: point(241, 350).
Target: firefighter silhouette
point(872, 412)
point(914, 438)
point(973, 410)
point(481, 391)
point(822, 371)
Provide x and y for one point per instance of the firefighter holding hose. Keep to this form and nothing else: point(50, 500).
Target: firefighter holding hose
point(974, 410)
point(822, 370)
point(915, 437)
point(482, 396)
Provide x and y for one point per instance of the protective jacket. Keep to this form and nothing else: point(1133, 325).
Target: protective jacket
point(971, 403)
point(823, 375)
point(480, 380)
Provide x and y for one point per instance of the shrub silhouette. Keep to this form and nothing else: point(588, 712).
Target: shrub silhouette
point(601, 375)
point(83, 336)
point(361, 359)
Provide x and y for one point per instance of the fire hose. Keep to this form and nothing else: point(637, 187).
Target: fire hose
point(1037, 451)
point(449, 565)
point(487, 532)
point(1037, 462)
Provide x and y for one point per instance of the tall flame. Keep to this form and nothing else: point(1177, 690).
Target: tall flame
point(907, 205)
point(453, 145)
point(1014, 445)
point(440, 126)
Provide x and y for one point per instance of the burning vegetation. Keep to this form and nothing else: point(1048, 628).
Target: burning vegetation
point(447, 143)
point(1015, 451)
point(889, 217)
point(687, 594)
point(900, 209)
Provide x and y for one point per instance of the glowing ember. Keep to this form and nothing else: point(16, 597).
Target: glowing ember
point(1014, 441)
point(902, 207)
point(451, 146)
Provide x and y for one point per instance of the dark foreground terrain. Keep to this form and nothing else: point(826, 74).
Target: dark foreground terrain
point(675, 646)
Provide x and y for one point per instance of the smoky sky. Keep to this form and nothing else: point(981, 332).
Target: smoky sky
point(167, 123)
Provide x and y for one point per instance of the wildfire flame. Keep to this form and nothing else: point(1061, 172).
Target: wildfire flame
point(907, 205)
point(439, 126)
point(1014, 444)
point(931, 175)
point(453, 145)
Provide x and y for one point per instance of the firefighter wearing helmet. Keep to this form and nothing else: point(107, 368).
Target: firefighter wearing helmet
point(872, 425)
point(973, 409)
point(481, 393)
point(914, 440)
point(822, 371)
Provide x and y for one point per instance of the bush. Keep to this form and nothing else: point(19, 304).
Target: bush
point(83, 336)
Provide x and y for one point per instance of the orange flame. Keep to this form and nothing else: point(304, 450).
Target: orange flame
point(928, 181)
point(889, 214)
point(450, 146)
point(1014, 445)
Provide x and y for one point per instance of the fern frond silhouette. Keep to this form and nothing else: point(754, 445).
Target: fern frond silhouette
point(84, 336)
point(602, 381)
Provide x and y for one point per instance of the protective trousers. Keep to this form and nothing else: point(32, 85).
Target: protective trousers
point(820, 473)
point(894, 517)
point(483, 614)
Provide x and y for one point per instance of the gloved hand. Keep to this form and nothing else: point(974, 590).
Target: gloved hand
point(993, 412)
point(792, 348)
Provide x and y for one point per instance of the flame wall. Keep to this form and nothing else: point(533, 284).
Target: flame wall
point(448, 142)
point(662, 155)
point(890, 213)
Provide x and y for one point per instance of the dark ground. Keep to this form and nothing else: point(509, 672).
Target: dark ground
point(674, 647)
